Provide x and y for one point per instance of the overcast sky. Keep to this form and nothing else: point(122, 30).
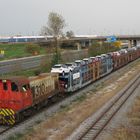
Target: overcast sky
point(99, 17)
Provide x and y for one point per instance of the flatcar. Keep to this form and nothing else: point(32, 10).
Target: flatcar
point(20, 96)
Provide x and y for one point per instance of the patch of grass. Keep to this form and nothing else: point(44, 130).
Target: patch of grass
point(17, 136)
point(125, 134)
point(38, 122)
point(94, 90)
point(27, 73)
point(135, 121)
point(134, 115)
point(17, 51)
point(29, 131)
point(99, 86)
point(80, 98)
point(130, 132)
point(30, 72)
point(64, 108)
point(98, 48)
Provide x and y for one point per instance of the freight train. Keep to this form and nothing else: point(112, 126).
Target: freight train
point(21, 96)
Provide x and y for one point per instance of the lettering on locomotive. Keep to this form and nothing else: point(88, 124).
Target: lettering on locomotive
point(41, 87)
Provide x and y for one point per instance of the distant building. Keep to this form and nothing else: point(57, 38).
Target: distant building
point(17, 39)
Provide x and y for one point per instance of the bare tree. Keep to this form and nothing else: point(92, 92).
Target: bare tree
point(54, 27)
point(56, 23)
point(44, 31)
point(69, 34)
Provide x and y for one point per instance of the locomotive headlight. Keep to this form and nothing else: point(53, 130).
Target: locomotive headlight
point(3, 81)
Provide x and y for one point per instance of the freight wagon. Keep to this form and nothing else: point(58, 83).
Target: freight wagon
point(87, 71)
point(20, 96)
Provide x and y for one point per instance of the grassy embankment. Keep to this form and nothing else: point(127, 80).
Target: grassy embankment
point(16, 51)
point(102, 48)
point(20, 50)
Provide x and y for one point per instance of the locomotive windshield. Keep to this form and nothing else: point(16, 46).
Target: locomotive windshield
point(63, 79)
point(5, 87)
point(14, 87)
point(25, 88)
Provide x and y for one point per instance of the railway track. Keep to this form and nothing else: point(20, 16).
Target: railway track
point(4, 129)
point(97, 127)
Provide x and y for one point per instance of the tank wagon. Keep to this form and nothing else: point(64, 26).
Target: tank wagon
point(21, 96)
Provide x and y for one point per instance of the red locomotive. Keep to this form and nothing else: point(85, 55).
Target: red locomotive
point(19, 96)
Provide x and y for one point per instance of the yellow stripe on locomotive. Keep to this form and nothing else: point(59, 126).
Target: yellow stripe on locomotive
point(7, 116)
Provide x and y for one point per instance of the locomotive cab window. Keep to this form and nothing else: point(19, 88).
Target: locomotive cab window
point(5, 86)
point(25, 88)
point(14, 87)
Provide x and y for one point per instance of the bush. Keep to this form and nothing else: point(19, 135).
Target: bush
point(33, 49)
point(68, 46)
point(101, 48)
point(56, 59)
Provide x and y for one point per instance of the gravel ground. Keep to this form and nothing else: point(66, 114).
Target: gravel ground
point(28, 124)
point(48, 112)
point(121, 118)
point(115, 122)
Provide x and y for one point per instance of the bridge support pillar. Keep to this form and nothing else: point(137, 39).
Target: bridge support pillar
point(90, 43)
point(135, 43)
point(129, 43)
point(78, 46)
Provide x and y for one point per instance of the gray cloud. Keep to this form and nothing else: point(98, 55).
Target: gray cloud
point(82, 16)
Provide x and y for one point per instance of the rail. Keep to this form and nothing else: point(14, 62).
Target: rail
point(106, 116)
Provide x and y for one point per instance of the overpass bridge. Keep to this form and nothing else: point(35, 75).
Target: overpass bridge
point(86, 41)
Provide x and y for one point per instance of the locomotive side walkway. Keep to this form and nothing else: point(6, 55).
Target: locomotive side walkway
point(66, 118)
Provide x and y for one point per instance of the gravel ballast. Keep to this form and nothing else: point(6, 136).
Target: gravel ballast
point(49, 112)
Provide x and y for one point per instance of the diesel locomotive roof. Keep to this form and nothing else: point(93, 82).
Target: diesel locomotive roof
point(19, 80)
